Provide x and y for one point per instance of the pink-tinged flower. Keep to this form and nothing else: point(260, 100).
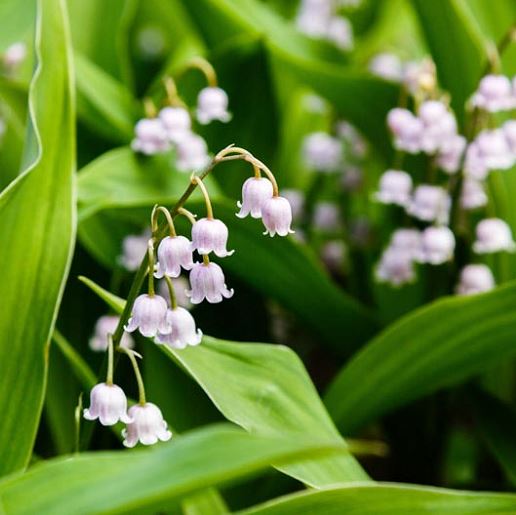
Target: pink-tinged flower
point(322, 152)
point(277, 216)
point(493, 235)
point(474, 164)
point(494, 149)
point(183, 331)
point(148, 315)
point(207, 282)
point(212, 104)
point(396, 267)
point(406, 240)
point(494, 94)
point(108, 403)
point(395, 188)
point(192, 153)
point(151, 137)
point(450, 153)
point(174, 252)
point(15, 54)
point(134, 248)
point(387, 66)
point(406, 128)
point(475, 279)
point(509, 129)
point(472, 195)
point(340, 32)
point(313, 17)
point(439, 125)
point(326, 216)
point(437, 245)
point(255, 191)
point(210, 235)
point(107, 325)
point(430, 204)
point(176, 122)
point(147, 426)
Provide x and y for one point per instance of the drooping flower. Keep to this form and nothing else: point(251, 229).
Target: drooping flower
point(472, 195)
point(326, 216)
point(207, 282)
point(509, 129)
point(406, 240)
point(313, 17)
point(255, 191)
point(340, 32)
point(147, 426)
point(174, 252)
point(439, 125)
point(494, 149)
point(148, 315)
point(151, 137)
point(277, 216)
point(406, 128)
point(387, 66)
point(493, 235)
point(494, 94)
point(212, 104)
point(430, 204)
point(474, 165)
point(437, 245)
point(177, 123)
point(450, 153)
point(134, 248)
point(192, 153)
point(322, 152)
point(475, 279)
point(108, 403)
point(396, 267)
point(395, 188)
point(210, 235)
point(106, 325)
point(183, 331)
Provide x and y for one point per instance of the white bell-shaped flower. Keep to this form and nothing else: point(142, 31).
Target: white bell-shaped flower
point(192, 153)
point(183, 331)
point(326, 216)
point(147, 426)
point(340, 32)
point(174, 253)
point(15, 54)
point(439, 125)
point(108, 403)
point(406, 128)
point(473, 194)
point(148, 315)
point(212, 104)
point(207, 282)
point(474, 164)
point(475, 279)
point(450, 153)
point(134, 248)
point(151, 137)
point(396, 267)
point(210, 235)
point(493, 235)
point(387, 66)
point(106, 325)
point(296, 199)
point(277, 216)
point(430, 204)
point(406, 240)
point(509, 130)
point(494, 149)
point(395, 188)
point(437, 245)
point(494, 94)
point(322, 152)
point(255, 191)
point(177, 123)
point(313, 17)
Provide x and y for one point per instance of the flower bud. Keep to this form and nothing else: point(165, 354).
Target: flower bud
point(396, 267)
point(395, 188)
point(472, 195)
point(183, 331)
point(192, 153)
point(255, 191)
point(107, 325)
point(437, 245)
point(494, 94)
point(108, 403)
point(475, 279)
point(322, 152)
point(493, 235)
point(212, 104)
point(387, 66)
point(177, 123)
point(210, 235)
point(430, 204)
point(207, 282)
point(148, 315)
point(147, 426)
point(151, 137)
point(174, 252)
point(406, 128)
point(277, 216)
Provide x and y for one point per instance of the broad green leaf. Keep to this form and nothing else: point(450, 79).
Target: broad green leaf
point(149, 480)
point(434, 347)
point(389, 499)
point(456, 45)
point(266, 390)
point(37, 216)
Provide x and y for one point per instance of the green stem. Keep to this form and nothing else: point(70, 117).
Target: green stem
point(150, 254)
point(207, 201)
point(154, 220)
point(171, 292)
point(109, 374)
point(187, 214)
point(137, 374)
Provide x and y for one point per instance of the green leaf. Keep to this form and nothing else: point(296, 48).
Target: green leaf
point(457, 47)
point(434, 347)
point(37, 215)
point(389, 499)
point(150, 480)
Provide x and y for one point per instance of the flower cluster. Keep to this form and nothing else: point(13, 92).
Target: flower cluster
point(320, 19)
point(171, 127)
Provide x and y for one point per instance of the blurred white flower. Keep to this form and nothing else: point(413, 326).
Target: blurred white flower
point(15, 54)
point(134, 248)
point(430, 204)
point(439, 125)
point(474, 165)
point(212, 104)
point(150, 42)
point(509, 129)
point(322, 152)
point(108, 403)
point(396, 267)
point(419, 76)
point(494, 94)
point(296, 199)
point(150, 137)
point(473, 194)
point(333, 254)
point(407, 241)
point(177, 123)
point(437, 245)
point(104, 326)
point(192, 153)
point(475, 279)
point(406, 128)
point(148, 315)
point(395, 188)
point(340, 32)
point(207, 282)
point(326, 216)
point(493, 235)
point(183, 331)
point(387, 66)
point(494, 150)
point(147, 426)
point(450, 153)
point(277, 216)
